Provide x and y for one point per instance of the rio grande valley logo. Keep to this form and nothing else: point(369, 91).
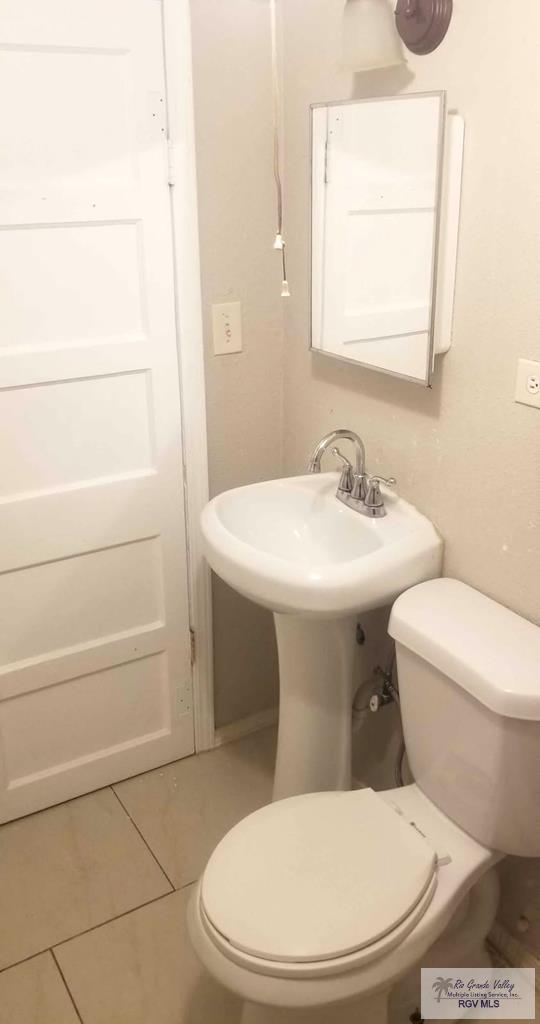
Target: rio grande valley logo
point(440, 986)
point(499, 993)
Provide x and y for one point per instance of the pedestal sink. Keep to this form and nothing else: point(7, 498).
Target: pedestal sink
point(291, 546)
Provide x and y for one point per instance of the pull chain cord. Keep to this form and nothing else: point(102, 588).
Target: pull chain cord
point(279, 242)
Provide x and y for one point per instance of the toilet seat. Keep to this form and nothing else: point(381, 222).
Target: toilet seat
point(320, 881)
point(462, 861)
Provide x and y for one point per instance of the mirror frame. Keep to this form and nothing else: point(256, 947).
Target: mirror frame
point(430, 363)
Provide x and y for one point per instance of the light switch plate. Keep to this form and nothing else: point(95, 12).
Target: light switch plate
point(227, 327)
point(528, 383)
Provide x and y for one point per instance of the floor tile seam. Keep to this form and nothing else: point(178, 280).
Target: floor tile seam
point(66, 986)
point(144, 839)
point(94, 928)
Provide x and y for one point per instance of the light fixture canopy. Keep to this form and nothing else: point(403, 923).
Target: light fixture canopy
point(371, 32)
point(423, 24)
point(370, 39)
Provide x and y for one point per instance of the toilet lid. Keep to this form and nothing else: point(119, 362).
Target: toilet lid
point(316, 877)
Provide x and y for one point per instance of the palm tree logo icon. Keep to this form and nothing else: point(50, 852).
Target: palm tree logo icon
point(441, 986)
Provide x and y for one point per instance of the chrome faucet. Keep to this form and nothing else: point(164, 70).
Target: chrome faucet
point(314, 465)
point(356, 488)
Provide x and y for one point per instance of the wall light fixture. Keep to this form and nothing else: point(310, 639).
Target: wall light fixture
point(370, 39)
point(423, 24)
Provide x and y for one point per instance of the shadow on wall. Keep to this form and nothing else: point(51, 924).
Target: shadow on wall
point(519, 910)
point(382, 387)
point(244, 638)
point(381, 82)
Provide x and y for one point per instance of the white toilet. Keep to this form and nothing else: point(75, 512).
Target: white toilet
point(322, 907)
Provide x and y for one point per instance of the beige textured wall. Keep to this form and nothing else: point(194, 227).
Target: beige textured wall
point(463, 452)
point(244, 392)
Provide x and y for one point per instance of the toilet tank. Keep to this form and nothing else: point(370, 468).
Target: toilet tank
point(469, 683)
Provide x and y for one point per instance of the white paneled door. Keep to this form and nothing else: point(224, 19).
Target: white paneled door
point(95, 677)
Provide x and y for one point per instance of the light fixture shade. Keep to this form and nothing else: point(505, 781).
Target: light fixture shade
point(370, 39)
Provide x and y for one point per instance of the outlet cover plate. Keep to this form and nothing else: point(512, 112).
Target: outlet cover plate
point(528, 383)
point(227, 327)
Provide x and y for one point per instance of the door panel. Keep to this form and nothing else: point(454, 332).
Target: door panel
point(122, 591)
point(108, 291)
point(95, 675)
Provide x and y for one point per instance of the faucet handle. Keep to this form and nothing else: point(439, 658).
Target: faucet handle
point(387, 481)
point(346, 478)
point(359, 487)
point(374, 498)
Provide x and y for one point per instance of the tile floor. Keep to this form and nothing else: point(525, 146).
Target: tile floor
point(93, 894)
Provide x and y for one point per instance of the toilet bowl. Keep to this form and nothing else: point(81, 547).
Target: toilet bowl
point(401, 893)
point(335, 899)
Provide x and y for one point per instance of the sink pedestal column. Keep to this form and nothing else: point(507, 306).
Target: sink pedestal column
point(316, 668)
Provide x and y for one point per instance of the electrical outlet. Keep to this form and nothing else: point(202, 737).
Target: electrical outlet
point(528, 383)
point(227, 327)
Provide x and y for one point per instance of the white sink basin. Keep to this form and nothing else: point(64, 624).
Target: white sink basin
point(291, 546)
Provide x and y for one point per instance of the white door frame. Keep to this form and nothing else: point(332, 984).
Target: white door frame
point(184, 210)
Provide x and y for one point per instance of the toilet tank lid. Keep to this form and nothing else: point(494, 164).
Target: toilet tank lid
point(485, 648)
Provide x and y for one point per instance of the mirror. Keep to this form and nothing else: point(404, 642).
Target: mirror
point(383, 247)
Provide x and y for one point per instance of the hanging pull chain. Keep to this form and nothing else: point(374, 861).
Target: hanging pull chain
point(279, 243)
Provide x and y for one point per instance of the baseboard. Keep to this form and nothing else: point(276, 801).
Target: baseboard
point(245, 726)
point(512, 951)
